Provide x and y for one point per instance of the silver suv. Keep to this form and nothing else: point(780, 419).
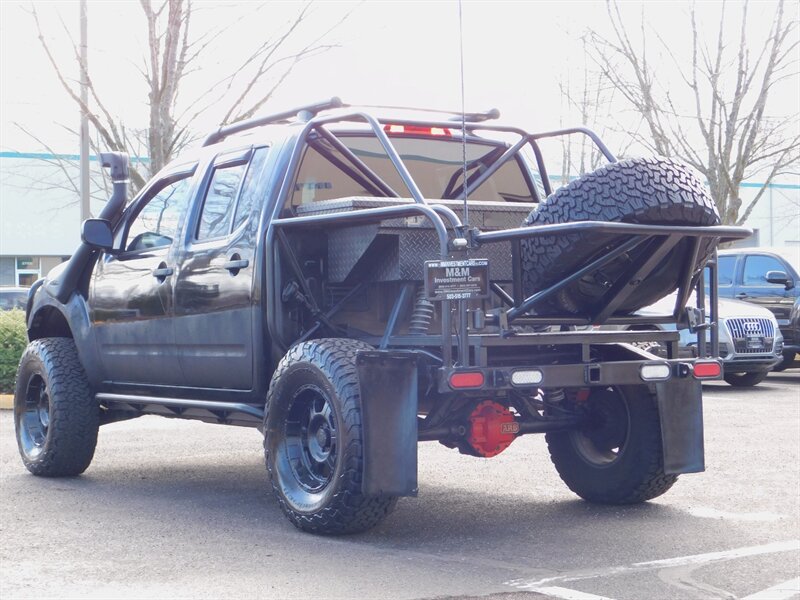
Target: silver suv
point(750, 341)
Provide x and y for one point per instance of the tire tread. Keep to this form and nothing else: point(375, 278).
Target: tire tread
point(74, 413)
point(349, 510)
point(656, 191)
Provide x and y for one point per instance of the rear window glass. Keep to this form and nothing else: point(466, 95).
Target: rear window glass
point(435, 164)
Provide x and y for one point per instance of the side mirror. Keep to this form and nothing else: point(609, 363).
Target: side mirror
point(97, 234)
point(781, 278)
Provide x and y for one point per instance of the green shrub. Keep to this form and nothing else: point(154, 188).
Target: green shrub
point(13, 339)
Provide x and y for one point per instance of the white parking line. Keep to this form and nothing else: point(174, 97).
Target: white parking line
point(782, 591)
point(695, 559)
point(705, 512)
point(567, 594)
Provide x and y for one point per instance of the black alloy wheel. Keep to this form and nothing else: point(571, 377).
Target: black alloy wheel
point(34, 419)
point(605, 434)
point(309, 439)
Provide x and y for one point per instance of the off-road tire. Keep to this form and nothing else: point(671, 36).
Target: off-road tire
point(56, 417)
point(635, 475)
point(649, 191)
point(748, 379)
point(329, 367)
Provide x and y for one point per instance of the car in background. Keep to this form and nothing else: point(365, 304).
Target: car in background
point(750, 342)
point(13, 297)
point(767, 277)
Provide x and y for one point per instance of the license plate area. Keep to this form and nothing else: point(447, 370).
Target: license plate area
point(457, 279)
point(755, 342)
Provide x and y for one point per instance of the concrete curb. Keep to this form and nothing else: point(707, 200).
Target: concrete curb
point(6, 401)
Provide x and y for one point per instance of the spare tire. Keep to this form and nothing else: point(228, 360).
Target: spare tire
point(648, 191)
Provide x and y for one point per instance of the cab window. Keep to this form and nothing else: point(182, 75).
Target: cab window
point(158, 219)
point(250, 191)
point(219, 203)
point(756, 267)
point(725, 270)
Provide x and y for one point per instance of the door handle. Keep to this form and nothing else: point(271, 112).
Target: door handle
point(162, 272)
point(741, 295)
point(235, 265)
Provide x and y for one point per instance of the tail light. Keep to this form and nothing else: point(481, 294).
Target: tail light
point(462, 381)
point(709, 369)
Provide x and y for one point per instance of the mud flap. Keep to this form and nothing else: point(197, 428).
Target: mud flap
point(680, 406)
point(389, 397)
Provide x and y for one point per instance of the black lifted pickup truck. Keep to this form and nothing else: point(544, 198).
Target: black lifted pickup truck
point(353, 284)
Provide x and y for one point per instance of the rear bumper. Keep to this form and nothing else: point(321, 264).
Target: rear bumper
point(602, 374)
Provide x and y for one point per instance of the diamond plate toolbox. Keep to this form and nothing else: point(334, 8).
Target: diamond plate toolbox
point(396, 249)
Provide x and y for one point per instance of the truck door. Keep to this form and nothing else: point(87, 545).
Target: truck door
point(726, 271)
point(756, 289)
point(130, 297)
point(215, 284)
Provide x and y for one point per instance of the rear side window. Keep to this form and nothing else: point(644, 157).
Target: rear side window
point(725, 267)
point(248, 197)
point(756, 267)
point(220, 200)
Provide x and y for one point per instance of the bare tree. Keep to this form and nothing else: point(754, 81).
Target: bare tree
point(588, 101)
point(176, 51)
point(578, 154)
point(737, 134)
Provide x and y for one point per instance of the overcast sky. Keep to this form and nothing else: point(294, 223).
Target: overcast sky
point(405, 53)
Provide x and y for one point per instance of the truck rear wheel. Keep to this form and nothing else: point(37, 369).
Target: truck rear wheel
point(617, 458)
point(55, 414)
point(647, 191)
point(313, 440)
point(748, 379)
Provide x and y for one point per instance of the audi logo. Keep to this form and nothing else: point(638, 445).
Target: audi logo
point(752, 327)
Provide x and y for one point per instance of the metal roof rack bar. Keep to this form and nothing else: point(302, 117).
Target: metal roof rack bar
point(470, 117)
point(478, 117)
point(304, 112)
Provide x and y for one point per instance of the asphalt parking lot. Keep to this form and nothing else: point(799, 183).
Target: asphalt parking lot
point(181, 510)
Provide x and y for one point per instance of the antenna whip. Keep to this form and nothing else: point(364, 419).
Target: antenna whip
point(463, 113)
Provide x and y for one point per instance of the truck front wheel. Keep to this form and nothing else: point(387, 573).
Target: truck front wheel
point(55, 414)
point(617, 457)
point(313, 441)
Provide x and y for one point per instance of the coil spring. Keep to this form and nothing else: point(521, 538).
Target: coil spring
point(555, 395)
point(422, 316)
